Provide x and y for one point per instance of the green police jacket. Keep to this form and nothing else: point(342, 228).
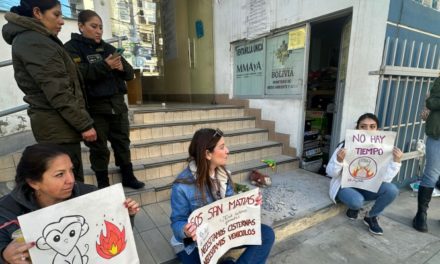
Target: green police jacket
point(433, 103)
point(46, 74)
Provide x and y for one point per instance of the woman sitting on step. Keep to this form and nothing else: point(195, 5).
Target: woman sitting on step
point(204, 181)
point(354, 197)
point(44, 177)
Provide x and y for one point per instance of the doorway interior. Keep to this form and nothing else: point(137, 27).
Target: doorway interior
point(185, 54)
point(327, 64)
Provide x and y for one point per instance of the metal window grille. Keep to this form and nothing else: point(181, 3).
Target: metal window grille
point(405, 76)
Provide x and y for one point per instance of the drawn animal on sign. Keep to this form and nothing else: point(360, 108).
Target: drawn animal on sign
point(63, 237)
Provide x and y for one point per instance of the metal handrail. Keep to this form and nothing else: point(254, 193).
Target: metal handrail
point(13, 110)
point(20, 108)
point(5, 63)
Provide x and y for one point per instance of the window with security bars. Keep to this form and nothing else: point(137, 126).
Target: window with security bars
point(70, 8)
point(434, 4)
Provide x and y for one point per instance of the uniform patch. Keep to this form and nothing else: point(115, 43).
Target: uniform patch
point(94, 58)
point(77, 59)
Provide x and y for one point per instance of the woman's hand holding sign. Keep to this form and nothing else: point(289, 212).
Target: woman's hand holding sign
point(341, 155)
point(190, 231)
point(132, 206)
point(397, 154)
point(17, 252)
point(259, 200)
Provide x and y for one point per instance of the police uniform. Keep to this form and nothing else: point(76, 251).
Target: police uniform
point(105, 89)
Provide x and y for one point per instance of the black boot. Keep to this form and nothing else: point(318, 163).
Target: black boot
point(423, 199)
point(102, 179)
point(128, 178)
point(437, 185)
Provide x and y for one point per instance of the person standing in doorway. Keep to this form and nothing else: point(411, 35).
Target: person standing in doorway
point(431, 172)
point(48, 77)
point(105, 73)
point(354, 197)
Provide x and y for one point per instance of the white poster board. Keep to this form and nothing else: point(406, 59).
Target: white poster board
point(230, 222)
point(367, 157)
point(92, 228)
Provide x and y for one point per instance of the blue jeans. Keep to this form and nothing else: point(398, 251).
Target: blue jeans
point(432, 167)
point(255, 254)
point(354, 198)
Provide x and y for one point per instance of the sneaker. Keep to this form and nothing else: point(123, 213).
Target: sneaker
point(372, 223)
point(352, 214)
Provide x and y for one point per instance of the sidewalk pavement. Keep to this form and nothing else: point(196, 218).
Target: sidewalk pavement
point(340, 240)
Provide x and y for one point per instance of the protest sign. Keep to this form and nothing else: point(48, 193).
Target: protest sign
point(367, 157)
point(93, 228)
point(230, 222)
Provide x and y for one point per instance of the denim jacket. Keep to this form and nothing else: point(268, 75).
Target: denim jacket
point(184, 200)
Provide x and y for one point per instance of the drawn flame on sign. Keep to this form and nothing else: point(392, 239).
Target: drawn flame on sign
point(367, 173)
point(112, 244)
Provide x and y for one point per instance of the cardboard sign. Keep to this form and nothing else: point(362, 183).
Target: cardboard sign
point(92, 228)
point(230, 222)
point(367, 158)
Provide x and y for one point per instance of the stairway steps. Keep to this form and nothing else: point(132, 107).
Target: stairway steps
point(160, 138)
point(160, 167)
point(170, 129)
point(158, 190)
point(269, 148)
point(179, 144)
point(161, 115)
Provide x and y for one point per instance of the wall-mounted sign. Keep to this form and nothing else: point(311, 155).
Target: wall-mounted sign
point(249, 66)
point(284, 67)
point(297, 38)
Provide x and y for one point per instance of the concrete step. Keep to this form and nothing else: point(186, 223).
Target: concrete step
point(165, 146)
point(170, 165)
point(179, 128)
point(298, 191)
point(158, 188)
point(159, 114)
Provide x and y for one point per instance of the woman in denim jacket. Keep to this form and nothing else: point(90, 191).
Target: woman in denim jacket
point(204, 181)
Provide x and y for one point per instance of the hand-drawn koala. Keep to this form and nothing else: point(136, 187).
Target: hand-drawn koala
point(62, 237)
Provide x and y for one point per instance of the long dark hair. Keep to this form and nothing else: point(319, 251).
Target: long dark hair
point(365, 116)
point(204, 139)
point(26, 7)
point(34, 161)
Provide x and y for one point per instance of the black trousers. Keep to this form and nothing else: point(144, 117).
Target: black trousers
point(74, 151)
point(113, 128)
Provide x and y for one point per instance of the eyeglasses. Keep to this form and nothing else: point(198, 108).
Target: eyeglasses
point(218, 133)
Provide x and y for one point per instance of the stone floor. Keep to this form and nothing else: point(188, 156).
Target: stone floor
point(340, 240)
point(293, 195)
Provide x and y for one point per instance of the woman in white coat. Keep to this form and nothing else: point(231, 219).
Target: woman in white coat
point(353, 197)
